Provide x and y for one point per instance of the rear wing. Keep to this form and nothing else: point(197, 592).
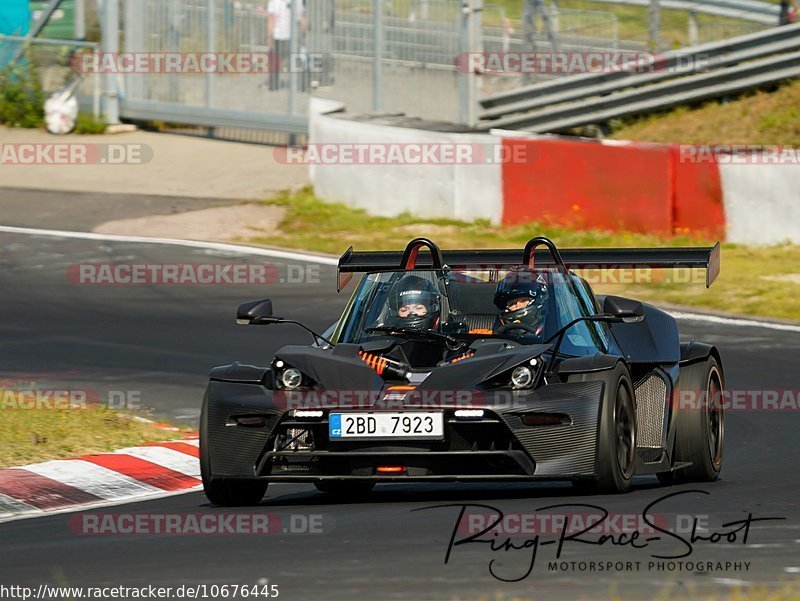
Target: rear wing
point(413, 257)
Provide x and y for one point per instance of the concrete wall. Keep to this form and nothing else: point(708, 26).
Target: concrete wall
point(462, 191)
point(762, 203)
point(583, 184)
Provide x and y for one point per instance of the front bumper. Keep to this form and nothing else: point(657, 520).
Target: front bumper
point(497, 447)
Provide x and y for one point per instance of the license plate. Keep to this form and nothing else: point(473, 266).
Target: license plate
point(385, 425)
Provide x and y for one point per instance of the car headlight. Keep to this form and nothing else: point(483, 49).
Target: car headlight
point(291, 378)
point(521, 377)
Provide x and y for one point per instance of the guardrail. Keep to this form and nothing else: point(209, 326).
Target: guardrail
point(184, 114)
point(747, 10)
point(705, 71)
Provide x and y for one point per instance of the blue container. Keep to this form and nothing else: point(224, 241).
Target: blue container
point(15, 17)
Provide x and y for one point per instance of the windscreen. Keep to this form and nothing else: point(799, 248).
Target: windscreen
point(525, 305)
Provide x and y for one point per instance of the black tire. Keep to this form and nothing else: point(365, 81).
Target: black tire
point(235, 493)
point(225, 492)
point(700, 428)
point(616, 449)
point(344, 488)
point(667, 478)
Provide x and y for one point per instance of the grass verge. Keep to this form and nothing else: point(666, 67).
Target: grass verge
point(754, 281)
point(42, 434)
point(767, 116)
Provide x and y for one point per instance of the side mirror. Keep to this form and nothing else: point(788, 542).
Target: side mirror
point(257, 312)
point(623, 309)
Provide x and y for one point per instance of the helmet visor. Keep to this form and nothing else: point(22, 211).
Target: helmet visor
point(518, 302)
point(415, 301)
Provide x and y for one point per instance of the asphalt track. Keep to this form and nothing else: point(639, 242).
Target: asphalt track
point(162, 340)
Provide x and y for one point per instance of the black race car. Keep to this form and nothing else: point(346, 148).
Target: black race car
point(496, 365)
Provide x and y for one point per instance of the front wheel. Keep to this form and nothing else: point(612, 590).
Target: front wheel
point(227, 493)
point(616, 448)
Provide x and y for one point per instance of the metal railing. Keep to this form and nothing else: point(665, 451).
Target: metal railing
point(755, 11)
point(698, 73)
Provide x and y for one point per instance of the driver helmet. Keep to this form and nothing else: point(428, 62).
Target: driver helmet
point(521, 297)
point(414, 302)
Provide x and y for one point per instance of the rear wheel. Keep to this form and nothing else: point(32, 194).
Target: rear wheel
point(700, 426)
point(228, 493)
point(616, 449)
point(344, 488)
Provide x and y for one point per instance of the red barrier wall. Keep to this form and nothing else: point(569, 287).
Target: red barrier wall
point(626, 187)
point(698, 204)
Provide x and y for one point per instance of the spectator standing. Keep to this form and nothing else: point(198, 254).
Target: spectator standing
point(279, 34)
point(783, 15)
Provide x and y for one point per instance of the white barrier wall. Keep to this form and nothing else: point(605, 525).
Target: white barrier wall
point(762, 203)
point(462, 191)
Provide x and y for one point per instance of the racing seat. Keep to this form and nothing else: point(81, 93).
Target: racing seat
point(469, 304)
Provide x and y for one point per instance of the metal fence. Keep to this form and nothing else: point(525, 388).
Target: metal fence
point(390, 56)
point(185, 26)
point(422, 40)
point(573, 31)
point(401, 59)
point(714, 32)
